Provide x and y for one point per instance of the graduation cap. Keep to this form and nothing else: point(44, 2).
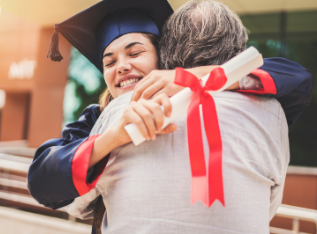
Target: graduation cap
point(93, 29)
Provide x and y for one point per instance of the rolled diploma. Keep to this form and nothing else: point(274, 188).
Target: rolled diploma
point(235, 69)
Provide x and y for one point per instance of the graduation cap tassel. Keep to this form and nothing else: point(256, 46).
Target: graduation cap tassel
point(53, 52)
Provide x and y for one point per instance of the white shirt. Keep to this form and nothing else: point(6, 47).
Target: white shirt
point(146, 189)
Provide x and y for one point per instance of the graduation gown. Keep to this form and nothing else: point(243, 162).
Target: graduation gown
point(59, 171)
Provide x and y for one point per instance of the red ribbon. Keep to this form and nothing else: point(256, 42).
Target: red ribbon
point(205, 187)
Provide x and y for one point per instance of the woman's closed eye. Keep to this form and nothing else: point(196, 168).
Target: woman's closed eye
point(132, 54)
point(135, 53)
point(109, 63)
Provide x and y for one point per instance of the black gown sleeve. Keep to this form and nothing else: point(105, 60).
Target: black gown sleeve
point(290, 83)
point(50, 178)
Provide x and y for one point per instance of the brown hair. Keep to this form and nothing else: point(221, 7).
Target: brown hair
point(106, 96)
point(201, 33)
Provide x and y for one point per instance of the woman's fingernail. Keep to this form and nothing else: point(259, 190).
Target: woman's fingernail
point(147, 138)
point(153, 137)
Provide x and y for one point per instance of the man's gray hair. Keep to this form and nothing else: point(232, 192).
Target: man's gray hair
point(201, 33)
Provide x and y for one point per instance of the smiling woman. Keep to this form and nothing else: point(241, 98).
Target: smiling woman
point(126, 61)
point(122, 43)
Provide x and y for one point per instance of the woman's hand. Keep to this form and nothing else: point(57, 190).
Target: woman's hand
point(156, 83)
point(162, 81)
point(148, 116)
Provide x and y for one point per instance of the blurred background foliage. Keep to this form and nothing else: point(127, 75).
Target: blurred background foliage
point(292, 35)
point(84, 87)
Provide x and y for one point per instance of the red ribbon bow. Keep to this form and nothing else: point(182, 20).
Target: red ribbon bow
point(205, 187)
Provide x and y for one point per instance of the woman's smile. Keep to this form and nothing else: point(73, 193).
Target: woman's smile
point(128, 81)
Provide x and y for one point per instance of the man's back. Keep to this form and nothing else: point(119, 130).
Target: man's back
point(146, 189)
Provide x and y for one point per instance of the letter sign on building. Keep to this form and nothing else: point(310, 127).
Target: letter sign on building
point(22, 70)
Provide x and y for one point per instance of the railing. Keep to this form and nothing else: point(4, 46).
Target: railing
point(17, 148)
point(13, 187)
point(13, 175)
point(15, 221)
point(297, 214)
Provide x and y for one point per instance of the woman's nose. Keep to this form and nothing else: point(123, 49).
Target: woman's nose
point(123, 66)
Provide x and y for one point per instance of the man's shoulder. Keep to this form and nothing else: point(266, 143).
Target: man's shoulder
point(231, 95)
point(251, 116)
point(234, 100)
point(249, 111)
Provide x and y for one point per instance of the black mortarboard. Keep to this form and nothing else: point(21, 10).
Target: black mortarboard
point(93, 29)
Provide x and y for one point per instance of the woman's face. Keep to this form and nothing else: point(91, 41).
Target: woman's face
point(126, 61)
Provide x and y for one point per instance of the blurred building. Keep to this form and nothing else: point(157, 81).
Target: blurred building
point(33, 86)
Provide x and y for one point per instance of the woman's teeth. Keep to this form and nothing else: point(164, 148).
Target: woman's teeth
point(129, 81)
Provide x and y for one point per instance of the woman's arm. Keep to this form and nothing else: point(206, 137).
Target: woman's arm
point(60, 170)
point(290, 83)
point(147, 115)
point(52, 172)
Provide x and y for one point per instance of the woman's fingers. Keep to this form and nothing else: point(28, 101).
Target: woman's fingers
point(154, 83)
point(144, 112)
point(148, 116)
point(170, 90)
point(156, 111)
point(132, 117)
point(164, 100)
point(152, 89)
point(141, 86)
point(168, 129)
